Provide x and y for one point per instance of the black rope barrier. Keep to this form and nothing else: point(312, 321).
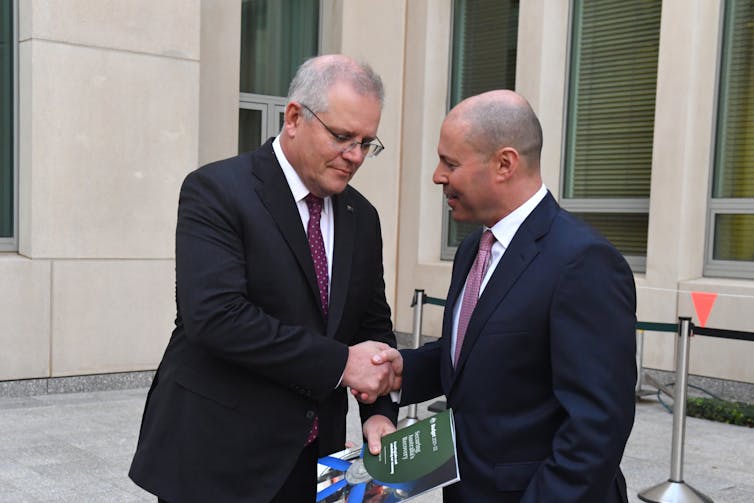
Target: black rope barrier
point(657, 327)
point(434, 300)
point(650, 326)
point(723, 333)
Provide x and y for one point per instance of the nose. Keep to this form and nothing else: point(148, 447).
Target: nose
point(440, 176)
point(354, 154)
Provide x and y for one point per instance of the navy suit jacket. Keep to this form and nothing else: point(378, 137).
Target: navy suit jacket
point(543, 393)
point(251, 360)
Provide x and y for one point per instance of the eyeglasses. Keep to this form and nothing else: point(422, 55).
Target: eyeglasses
point(370, 148)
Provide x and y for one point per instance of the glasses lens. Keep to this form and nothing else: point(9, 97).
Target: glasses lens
point(367, 149)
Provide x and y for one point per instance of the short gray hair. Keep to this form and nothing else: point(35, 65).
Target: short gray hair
point(317, 75)
point(495, 123)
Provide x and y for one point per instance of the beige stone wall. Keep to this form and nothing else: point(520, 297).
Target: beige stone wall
point(119, 100)
point(109, 96)
point(25, 336)
point(421, 202)
point(219, 82)
point(380, 42)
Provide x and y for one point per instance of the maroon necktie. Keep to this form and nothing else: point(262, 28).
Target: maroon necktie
point(473, 285)
point(317, 249)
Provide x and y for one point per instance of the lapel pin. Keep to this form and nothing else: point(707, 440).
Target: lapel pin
point(349, 208)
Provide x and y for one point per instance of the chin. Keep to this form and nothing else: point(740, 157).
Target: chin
point(458, 217)
point(336, 188)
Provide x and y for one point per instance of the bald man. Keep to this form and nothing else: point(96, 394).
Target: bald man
point(536, 357)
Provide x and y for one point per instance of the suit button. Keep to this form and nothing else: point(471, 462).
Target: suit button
point(309, 414)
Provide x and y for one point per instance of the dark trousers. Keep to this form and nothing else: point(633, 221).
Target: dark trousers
point(301, 484)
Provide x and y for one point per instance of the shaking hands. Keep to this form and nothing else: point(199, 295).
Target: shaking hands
point(373, 369)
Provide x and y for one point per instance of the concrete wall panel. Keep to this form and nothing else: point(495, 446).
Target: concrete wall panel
point(111, 316)
point(112, 134)
point(380, 42)
point(219, 89)
point(166, 27)
point(25, 315)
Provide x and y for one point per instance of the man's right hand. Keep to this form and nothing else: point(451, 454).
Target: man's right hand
point(374, 369)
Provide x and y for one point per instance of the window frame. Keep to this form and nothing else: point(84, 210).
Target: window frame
point(726, 268)
point(448, 252)
point(719, 205)
point(638, 205)
point(10, 244)
point(637, 263)
point(271, 106)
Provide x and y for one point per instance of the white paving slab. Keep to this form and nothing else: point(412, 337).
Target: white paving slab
point(77, 447)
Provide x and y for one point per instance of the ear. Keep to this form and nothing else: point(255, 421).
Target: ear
point(292, 118)
point(506, 161)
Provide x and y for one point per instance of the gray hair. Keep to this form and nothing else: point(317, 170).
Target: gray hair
point(317, 75)
point(495, 123)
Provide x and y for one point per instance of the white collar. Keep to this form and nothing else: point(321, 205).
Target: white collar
point(298, 189)
point(506, 228)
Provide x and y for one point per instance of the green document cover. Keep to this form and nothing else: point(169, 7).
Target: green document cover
point(413, 460)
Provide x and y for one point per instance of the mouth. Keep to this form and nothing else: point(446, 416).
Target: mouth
point(451, 197)
point(344, 171)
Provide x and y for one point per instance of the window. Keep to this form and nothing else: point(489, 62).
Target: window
point(7, 127)
point(276, 37)
point(610, 123)
point(485, 34)
point(731, 208)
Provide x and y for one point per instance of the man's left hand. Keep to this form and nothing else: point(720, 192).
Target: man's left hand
point(374, 429)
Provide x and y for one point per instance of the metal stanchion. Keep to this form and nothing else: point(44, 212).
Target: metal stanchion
point(418, 304)
point(675, 490)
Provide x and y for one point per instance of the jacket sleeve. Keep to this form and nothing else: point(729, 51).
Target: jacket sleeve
point(421, 374)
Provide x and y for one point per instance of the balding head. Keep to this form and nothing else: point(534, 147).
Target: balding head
point(488, 153)
point(499, 119)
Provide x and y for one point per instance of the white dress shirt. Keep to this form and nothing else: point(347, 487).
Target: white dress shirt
point(326, 221)
point(504, 230)
point(299, 191)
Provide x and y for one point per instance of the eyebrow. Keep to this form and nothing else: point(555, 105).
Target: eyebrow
point(447, 160)
point(351, 135)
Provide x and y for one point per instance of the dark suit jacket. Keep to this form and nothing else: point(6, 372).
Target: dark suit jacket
point(251, 360)
point(543, 394)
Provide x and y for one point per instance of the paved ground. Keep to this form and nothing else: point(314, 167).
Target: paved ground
point(76, 447)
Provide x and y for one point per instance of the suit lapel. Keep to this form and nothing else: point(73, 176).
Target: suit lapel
point(521, 251)
point(276, 196)
point(344, 217)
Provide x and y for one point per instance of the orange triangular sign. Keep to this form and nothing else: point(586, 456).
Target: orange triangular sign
point(703, 305)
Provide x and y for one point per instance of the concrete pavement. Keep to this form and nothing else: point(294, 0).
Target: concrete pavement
point(77, 447)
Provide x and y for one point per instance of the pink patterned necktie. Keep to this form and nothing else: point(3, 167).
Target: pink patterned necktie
point(473, 285)
point(317, 249)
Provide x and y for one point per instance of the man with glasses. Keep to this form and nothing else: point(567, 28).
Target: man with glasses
point(281, 305)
